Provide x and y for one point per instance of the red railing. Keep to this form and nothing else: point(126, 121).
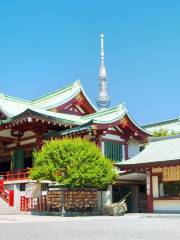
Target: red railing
point(33, 204)
point(6, 194)
point(15, 175)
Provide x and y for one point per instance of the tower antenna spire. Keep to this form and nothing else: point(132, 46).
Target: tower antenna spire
point(102, 49)
point(103, 100)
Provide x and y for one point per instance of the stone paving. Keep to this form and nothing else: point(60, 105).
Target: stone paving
point(128, 227)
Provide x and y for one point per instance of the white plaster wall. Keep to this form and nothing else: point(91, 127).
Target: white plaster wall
point(3, 205)
point(113, 137)
point(155, 186)
point(166, 206)
point(133, 148)
point(106, 197)
point(102, 147)
point(17, 194)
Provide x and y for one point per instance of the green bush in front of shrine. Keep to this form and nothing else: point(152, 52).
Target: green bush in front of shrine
point(73, 162)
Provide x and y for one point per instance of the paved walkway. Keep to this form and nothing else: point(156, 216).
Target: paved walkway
point(128, 227)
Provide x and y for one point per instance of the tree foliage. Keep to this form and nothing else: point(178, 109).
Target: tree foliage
point(74, 163)
point(161, 132)
point(164, 132)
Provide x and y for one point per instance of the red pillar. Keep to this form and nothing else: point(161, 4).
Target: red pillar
point(149, 191)
point(11, 198)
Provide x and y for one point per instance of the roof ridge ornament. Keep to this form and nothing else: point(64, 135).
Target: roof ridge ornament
point(103, 100)
point(77, 83)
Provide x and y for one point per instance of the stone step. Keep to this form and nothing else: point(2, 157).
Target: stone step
point(9, 211)
point(5, 209)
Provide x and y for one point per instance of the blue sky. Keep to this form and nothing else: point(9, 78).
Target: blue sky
point(45, 45)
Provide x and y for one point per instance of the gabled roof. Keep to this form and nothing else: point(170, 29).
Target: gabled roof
point(108, 115)
point(159, 151)
point(15, 108)
point(59, 117)
point(112, 115)
point(61, 96)
point(12, 106)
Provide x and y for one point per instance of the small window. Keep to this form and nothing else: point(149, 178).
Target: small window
point(169, 189)
point(22, 187)
point(113, 151)
point(141, 148)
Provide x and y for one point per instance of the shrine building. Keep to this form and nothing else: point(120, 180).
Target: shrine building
point(67, 112)
point(26, 125)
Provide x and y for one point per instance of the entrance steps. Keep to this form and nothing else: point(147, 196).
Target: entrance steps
point(5, 209)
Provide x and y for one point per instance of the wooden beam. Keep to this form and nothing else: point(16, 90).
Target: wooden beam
point(7, 139)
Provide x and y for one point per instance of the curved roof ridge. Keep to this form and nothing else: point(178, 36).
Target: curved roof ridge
point(162, 122)
point(138, 126)
point(59, 116)
point(17, 99)
point(56, 92)
point(106, 111)
point(87, 97)
point(11, 106)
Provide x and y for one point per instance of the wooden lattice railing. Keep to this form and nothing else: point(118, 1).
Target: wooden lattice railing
point(6, 194)
point(15, 175)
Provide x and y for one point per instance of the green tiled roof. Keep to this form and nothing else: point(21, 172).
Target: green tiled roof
point(106, 116)
point(58, 117)
point(14, 108)
point(61, 96)
point(171, 125)
point(112, 115)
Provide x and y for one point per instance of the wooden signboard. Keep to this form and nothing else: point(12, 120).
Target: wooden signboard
point(171, 174)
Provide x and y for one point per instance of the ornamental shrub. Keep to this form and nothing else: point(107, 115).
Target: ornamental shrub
point(73, 162)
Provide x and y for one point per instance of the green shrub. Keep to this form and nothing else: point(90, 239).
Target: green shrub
point(73, 162)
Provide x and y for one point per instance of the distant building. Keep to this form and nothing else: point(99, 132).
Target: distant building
point(172, 125)
point(160, 161)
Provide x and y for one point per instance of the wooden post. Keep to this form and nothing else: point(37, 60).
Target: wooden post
point(126, 151)
point(149, 191)
point(39, 141)
point(98, 139)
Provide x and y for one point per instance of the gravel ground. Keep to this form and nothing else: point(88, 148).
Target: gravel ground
point(130, 226)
